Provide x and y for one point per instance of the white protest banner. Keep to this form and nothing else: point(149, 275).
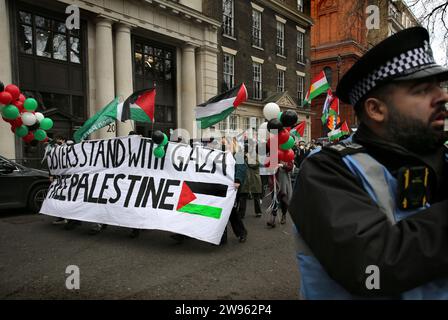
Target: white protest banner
point(119, 182)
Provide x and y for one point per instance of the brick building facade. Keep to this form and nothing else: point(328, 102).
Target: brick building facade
point(340, 37)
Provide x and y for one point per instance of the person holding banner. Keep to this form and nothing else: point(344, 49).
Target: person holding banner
point(240, 173)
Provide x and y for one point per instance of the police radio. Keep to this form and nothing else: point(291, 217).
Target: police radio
point(413, 187)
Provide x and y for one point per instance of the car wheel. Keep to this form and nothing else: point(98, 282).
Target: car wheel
point(36, 198)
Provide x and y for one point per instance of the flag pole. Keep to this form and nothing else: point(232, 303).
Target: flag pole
point(154, 84)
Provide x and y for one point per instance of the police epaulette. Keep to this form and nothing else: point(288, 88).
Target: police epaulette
point(344, 148)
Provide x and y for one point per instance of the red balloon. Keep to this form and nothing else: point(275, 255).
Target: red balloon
point(5, 97)
point(17, 122)
point(28, 138)
point(13, 129)
point(45, 140)
point(22, 98)
point(289, 156)
point(8, 120)
point(19, 105)
point(283, 136)
point(13, 90)
point(281, 155)
point(272, 140)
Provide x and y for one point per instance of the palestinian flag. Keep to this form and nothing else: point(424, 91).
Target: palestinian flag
point(199, 197)
point(139, 106)
point(299, 130)
point(220, 107)
point(102, 118)
point(318, 86)
point(326, 106)
point(344, 130)
point(333, 114)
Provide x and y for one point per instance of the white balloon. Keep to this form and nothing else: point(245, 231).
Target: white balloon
point(271, 110)
point(28, 118)
point(39, 116)
point(263, 131)
point(263, 126)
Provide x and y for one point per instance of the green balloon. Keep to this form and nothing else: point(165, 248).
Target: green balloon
point(40, 134)
point(279, 115)
point(165, 140)
point(46, 124)
point(30, 104)
point(22, 131)
point(288, 144)
point(159, 152)
point(10, 112)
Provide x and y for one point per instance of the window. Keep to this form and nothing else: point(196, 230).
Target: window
point(300, 85)
point(300, 5)
point(222, 125)
point(256, 28)
point(50, 38)
point(300, 42)
point(227, 18)
point(280, 80)
point(280, 38)
point(246, 123)
point(257, 78)
point(228, 70)
point(233, 122)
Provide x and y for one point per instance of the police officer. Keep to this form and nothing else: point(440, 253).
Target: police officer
point(373, 214)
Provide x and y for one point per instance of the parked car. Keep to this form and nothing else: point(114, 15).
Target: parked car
point(22, 187)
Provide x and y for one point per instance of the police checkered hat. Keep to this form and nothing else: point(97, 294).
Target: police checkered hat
point(406, 55)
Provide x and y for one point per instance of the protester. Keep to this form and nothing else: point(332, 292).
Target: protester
point(240, 172)
point(252, 182)
point(378, 200)
point(59, 140)
point(281, 191)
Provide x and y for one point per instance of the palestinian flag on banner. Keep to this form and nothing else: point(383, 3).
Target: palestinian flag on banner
point(199, 197)
point(299, 130)
point(318, 86)
point(102, 118)
point(139, 106)
point(343, 130)
point(220, 107)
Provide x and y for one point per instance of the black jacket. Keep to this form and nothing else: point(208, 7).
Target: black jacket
point(347, 232)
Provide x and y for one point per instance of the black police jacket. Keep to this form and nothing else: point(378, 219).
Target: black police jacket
point(346, 230)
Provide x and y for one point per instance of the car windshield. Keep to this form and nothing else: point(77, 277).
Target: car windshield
point(6, 161)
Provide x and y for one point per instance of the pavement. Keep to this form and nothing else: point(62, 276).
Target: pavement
point(34, 255)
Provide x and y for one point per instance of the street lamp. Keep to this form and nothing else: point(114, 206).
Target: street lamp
point(339, 65)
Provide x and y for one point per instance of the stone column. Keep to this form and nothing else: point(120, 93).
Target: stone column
point(104, 73)
point(7, 146)
point(188, 88)
point(123, 76)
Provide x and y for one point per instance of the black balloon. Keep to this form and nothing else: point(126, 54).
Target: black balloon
point(34, 126)
point(157, 137)
point(288, 118)
point(34, 143)
point(2, 86)
point(275, 124)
